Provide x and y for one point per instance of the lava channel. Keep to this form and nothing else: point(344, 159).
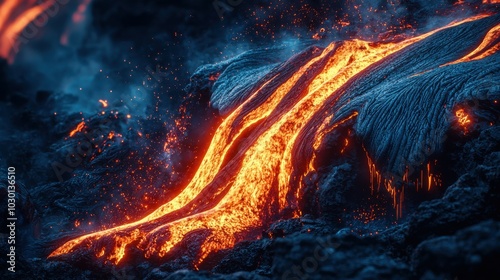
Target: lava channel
point(233, 195)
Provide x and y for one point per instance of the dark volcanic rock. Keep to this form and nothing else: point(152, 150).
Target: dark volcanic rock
point(332, 192)
point(40, 269)
point(461, 206)
point(472, 253)
point(333, 257)
point(194, 275)
point(247, 256)
point(473, 198)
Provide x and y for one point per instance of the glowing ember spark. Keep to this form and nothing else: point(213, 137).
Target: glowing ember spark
point(15, 15)
point(78, 128)
point(214, 77)
point(346, 141)
point(429, 177)
point(344, 23)
point(104, 103)
point(462, 118)
point(232, 196)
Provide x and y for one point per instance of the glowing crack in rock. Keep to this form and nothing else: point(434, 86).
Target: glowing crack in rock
point(462, 118)
point(78, 128)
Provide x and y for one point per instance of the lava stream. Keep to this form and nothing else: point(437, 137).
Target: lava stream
point(489, 46)
point(232, 195)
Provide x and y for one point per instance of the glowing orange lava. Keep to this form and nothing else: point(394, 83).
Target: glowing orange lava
point(15, 15)
point(462, 118)
point(489, 46)
point(234, 194)
point(77, 129)
point(104, 103)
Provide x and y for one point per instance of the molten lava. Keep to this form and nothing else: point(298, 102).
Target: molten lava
point(78, 128)
point(15, 15)
point(462, 118)
point(104, 103)
point(489, 46)
point(245, 181)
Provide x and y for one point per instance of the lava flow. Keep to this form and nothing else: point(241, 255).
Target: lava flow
point(245, 181)
point(15, 15)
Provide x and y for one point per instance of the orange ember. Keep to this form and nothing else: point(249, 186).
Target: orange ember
point(77, 129)
point(489, 46)
point(462, 118)
point(214, 77)
point(232, 196)
point(104, 103)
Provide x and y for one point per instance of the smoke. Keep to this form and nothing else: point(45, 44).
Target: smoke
point(84, 67)
point(111, 52)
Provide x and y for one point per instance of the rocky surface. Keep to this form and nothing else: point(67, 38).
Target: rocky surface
point(455, 236)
